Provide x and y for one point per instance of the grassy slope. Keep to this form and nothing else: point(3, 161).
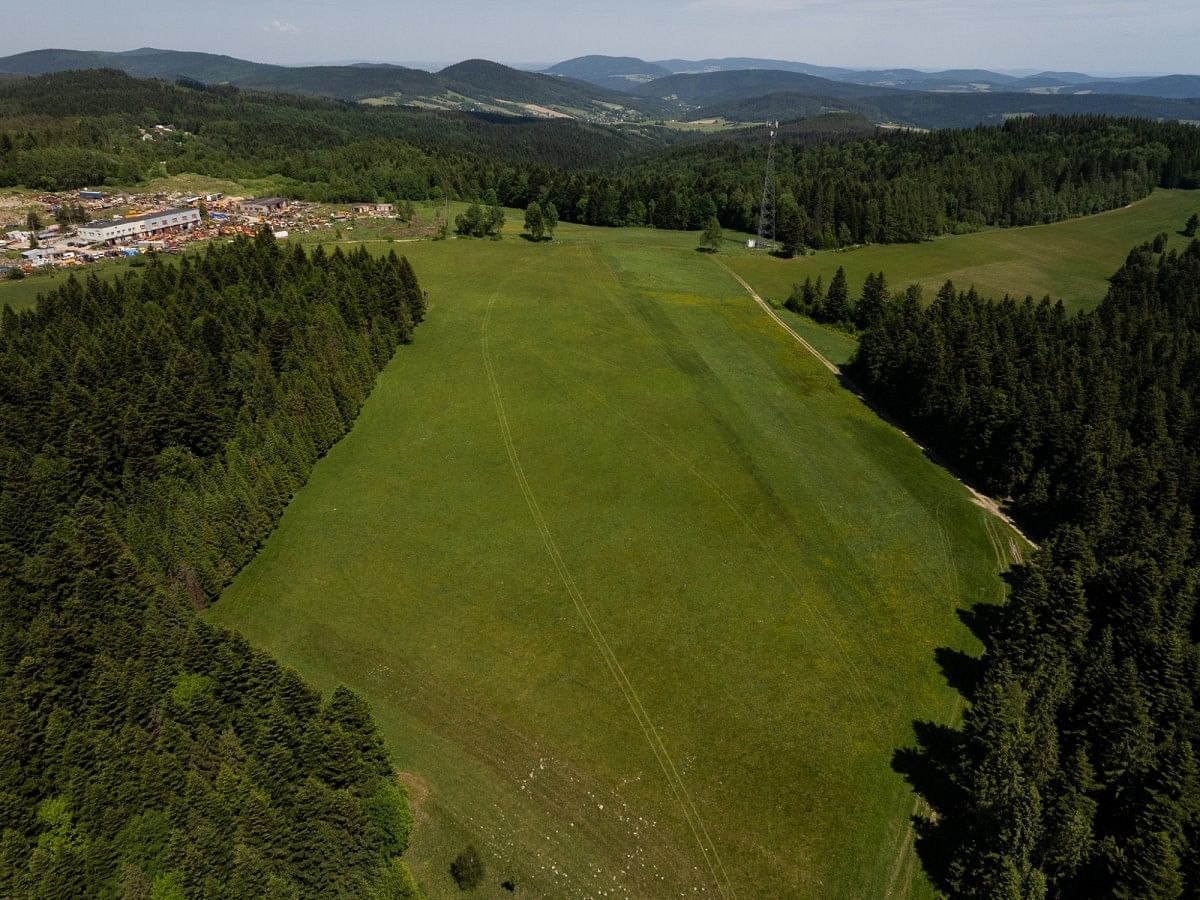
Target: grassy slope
point(771, 566)
point(1069, 260)
point(24, 293)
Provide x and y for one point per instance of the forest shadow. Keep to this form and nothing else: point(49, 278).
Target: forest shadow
point(961, 670)
point(930, 766)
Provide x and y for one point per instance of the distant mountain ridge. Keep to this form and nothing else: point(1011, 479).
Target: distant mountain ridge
point(756, 95)
point(732, 63)
point(949, 80)
point(618, 90)
point(707, 88)
point(473, 85)
point(358, 82)
point(616, 72)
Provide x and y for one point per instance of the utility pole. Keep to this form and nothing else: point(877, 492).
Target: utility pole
point(766, 213)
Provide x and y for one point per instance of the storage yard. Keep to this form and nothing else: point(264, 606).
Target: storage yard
point(90, 225)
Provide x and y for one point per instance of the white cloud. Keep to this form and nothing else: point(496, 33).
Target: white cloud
point(277, 27)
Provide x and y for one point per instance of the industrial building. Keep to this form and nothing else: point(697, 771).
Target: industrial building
point(264, 206)
point(112, 230)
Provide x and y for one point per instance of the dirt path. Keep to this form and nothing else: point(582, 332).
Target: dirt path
point(779, 321)
point(978, 498)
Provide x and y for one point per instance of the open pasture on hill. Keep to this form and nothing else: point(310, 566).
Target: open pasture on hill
point(1070, 260)
point(642, 599)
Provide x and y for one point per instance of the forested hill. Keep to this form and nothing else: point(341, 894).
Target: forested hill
point(949, 110)
point(79, 129)
point(704, 89)
point(740, 95)
point(836, 186)
point(151, 431)
point(485, 79)
point(616, 72)
point(471, 84)
point(1075, 773)
point(890, 187)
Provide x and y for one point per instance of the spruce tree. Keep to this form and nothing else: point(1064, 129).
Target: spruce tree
point(836, 307)
point(869, 310)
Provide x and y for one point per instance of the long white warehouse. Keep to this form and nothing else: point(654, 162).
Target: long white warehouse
point(109, 230)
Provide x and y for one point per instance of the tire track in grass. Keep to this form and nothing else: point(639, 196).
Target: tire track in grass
point(666, 763)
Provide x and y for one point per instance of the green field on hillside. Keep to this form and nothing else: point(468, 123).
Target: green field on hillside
point(642, 598)
point(24, 293)
point(1069, 260)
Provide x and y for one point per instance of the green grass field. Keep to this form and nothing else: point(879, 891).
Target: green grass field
point(24, 293)
point(1069, 260)
point(643, 599)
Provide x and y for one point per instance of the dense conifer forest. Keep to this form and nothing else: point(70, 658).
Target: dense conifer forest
point(151, 431)
point(77, 129)
point(1075, 772)
point(902, 186)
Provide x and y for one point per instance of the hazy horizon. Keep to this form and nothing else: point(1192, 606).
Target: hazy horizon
point(1103, 37)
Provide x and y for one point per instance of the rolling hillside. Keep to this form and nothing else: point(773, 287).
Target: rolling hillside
point(339, 82)
point(626, 89)
point(486, 81)
point(658, 564)
point(146, 62)
point(734, 63)
point(955, 80)
point(750, 96)
point(1177, 86)
point(471, 85)
point(1070, 261)
point(711, 88)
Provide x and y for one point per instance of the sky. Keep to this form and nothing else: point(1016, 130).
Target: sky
point(1096, 36)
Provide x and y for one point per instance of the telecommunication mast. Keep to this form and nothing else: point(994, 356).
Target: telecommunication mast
point(766, 213)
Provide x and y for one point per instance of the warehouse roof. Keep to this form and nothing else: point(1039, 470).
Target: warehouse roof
point(105, 223)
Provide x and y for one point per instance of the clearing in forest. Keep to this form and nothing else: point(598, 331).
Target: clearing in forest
point(1070, 260)
point(639, 593)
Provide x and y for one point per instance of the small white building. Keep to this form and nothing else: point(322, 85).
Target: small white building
point(42, 256)
point(111, 230)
